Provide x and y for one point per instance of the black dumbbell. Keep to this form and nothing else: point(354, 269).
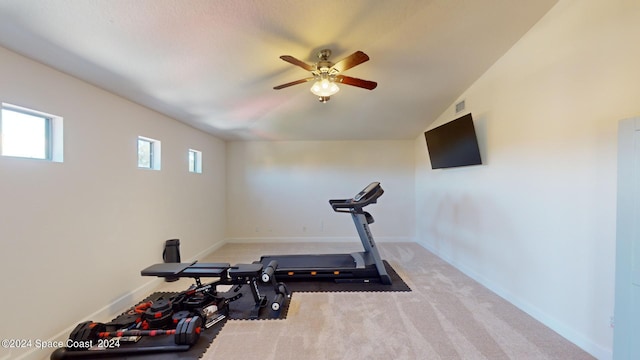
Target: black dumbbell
point(158, 315)
point(187, 332)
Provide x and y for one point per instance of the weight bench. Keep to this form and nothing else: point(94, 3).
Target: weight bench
point(193, 270)
point(239, 274)
point(182, 316)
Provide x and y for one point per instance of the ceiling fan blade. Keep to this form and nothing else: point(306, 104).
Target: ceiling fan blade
point(292, 83)
point(350, 61)
point(348, 80)
point(294, 61)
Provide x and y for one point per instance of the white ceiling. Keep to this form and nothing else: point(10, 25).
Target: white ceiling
point(213, 63)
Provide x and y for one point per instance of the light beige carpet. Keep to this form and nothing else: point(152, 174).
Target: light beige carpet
point(446, 316)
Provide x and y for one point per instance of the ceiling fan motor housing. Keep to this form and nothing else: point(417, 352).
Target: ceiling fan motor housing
point(324, 54)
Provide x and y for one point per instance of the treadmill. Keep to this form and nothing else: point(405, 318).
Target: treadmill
point(360, 267)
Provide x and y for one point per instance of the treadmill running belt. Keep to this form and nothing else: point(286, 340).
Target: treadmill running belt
point(397, 284)
point(330, 261)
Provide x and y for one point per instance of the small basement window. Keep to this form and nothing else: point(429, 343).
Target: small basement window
point(148, 153)
point(195, 161)
point(30, 134)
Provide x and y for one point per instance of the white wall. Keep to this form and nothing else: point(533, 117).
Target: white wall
point(76, 234)
point(280, 191)
point(536, 223)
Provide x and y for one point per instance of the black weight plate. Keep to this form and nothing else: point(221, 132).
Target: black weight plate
point(159, 314)
point(193, 331)
point(180, 315)
point(80, 331)
point(161, 305)
point(183, 333)
point(96, 328)
point(152, 315)
point(124, 320)
point(161, 322)
point(178, 336)
point(84, 333)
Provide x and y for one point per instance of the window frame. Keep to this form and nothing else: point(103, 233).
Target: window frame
point(53, 133)
point(155, 151)
point(197, 161)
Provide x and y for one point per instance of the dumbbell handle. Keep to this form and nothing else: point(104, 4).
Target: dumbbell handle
point(267, 273)
point(108, 334)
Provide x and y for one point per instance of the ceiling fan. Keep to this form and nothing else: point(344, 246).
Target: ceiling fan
point(326, 74)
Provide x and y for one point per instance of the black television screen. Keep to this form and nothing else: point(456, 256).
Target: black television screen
point(453, 144)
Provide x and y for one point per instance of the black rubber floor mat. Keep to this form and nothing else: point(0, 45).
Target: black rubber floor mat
point(194, 352)
point(243, 308)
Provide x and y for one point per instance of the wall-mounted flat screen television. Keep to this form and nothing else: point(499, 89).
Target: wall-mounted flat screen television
point(453, 144)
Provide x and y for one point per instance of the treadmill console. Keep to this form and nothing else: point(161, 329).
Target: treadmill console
point(367, 196)
point(366, 191)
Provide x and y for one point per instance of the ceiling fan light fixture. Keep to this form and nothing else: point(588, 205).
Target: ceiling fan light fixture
point(324, 88)
point(327, 74)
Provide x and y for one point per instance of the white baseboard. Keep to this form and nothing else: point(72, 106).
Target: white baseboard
point(314, 239)
point(570, 334)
